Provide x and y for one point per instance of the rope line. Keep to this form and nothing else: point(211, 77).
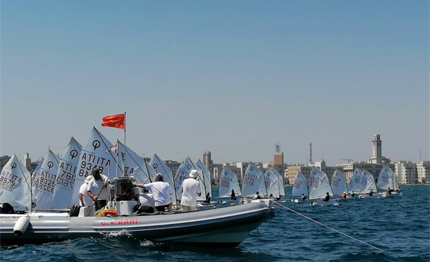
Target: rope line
point(270, 222)
point(337, 231)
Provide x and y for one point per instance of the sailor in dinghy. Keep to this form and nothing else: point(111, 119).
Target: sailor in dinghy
point(300, 188)
point(319, 188)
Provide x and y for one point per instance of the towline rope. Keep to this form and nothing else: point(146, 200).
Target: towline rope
point(313, 220)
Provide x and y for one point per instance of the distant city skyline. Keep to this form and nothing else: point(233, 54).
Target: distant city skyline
point(233, 78)
point(277, 147)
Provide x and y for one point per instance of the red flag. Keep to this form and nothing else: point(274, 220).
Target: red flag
point(117, 121)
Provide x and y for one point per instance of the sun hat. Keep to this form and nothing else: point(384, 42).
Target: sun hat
point(194, 174)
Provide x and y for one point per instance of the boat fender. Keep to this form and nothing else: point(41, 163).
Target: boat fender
point(21, 226)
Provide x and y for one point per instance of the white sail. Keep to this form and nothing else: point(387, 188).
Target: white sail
point(66, 173)
point(160, 167)
point(228, 181)
point(182, 173)
point(135, 165)
point(95, 154)
point(385, 179)
point(280, 182)
point(271, 181)
point(47, 181)
point(318, 184)
point(205, 183)
point(252, 181)
point(354, 181)
point(35, 179)
point(15, 187)
point(394, 177)
point(367, 182)
point(338, 183)
point(300, 186)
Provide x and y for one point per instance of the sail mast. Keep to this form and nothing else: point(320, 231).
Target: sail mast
point(203, 177)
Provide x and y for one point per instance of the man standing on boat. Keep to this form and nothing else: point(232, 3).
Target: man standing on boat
point(84, 198)
point(161, 191)
point(190, 191)
point(95, 187)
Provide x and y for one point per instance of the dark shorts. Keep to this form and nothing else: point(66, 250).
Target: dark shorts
point(161, 208)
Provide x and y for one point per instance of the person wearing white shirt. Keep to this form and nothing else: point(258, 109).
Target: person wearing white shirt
point(161, 191)
point(95, 187)
point(83, 196)
point(190, 191)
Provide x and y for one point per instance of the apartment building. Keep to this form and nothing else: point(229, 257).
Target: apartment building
point(406, 172)
point(423, 172)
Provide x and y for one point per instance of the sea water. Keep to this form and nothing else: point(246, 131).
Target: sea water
point(398, 225)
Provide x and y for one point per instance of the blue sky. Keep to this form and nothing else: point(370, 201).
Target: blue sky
point(230, 77)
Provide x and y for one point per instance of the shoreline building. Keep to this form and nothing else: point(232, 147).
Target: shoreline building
point(278, 162)
point(374, 169)
point(26, 161)
point(3, 161)
point(423, 172)
point(173, 165)
point(217, 169)
point(377, 157)
point(306, 170)
point(406, 172)
point(374, 165)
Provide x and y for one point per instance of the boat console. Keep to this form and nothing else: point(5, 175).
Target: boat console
point(125, 195)
point(124, 189)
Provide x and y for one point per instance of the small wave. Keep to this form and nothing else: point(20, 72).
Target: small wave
point(122, 233)
point(147, 243)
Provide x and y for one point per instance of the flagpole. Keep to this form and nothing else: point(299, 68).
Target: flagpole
point(125, 146)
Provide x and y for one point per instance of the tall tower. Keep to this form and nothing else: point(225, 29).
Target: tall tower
point(377, 148)
point(207, 160)
point(26, 161)
point(278, 158)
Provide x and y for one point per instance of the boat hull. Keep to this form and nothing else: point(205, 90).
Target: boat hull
point(227, 226)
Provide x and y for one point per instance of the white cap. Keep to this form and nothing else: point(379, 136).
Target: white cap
point(194, 174)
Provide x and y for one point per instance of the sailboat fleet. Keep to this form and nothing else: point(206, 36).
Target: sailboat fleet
point(38, 207)
point(361, 184)
point(269, 184)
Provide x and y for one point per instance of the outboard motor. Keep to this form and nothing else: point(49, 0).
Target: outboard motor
point(124, 189)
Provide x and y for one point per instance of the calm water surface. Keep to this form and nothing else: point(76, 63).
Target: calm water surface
point(400, 226)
